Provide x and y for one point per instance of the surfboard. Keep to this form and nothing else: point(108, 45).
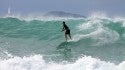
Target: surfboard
point(71, 40)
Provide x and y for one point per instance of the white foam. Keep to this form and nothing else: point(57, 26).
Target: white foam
point(37, 62)
point(96, 30)
point(91, 24)
point(120, 19)
point(101, 36)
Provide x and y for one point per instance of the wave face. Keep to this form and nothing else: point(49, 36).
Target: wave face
point(98, 43)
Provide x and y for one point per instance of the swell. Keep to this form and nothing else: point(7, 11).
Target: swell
point(97, 37)
point(14, 27)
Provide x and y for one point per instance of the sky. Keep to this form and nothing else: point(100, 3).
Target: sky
point(83, 7)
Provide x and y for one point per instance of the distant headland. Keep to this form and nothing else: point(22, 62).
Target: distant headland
point(63, 14)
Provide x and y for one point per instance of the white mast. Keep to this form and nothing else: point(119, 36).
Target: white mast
point(9, 9)
point(9, 12)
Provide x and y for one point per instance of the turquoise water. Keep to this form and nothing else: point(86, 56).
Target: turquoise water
point(97, 44)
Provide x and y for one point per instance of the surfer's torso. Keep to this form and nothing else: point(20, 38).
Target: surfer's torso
point(66, 27)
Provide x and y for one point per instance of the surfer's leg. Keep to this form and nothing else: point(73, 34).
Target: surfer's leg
point(70, 36)
point(66, 37)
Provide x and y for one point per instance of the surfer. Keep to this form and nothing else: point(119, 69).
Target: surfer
point(67, 30)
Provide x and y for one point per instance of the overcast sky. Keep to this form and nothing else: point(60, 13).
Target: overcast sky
point(84, 7)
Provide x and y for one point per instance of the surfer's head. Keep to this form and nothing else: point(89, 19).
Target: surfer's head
point(63, 22)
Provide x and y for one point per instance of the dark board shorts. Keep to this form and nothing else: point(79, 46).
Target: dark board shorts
point(67, 31)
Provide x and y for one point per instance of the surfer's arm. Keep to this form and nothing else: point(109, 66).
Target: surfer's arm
point(63, 29)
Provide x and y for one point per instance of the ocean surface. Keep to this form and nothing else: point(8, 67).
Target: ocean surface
point(98, 43)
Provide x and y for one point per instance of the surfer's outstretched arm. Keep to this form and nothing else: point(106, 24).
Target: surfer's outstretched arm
point(63, 29)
